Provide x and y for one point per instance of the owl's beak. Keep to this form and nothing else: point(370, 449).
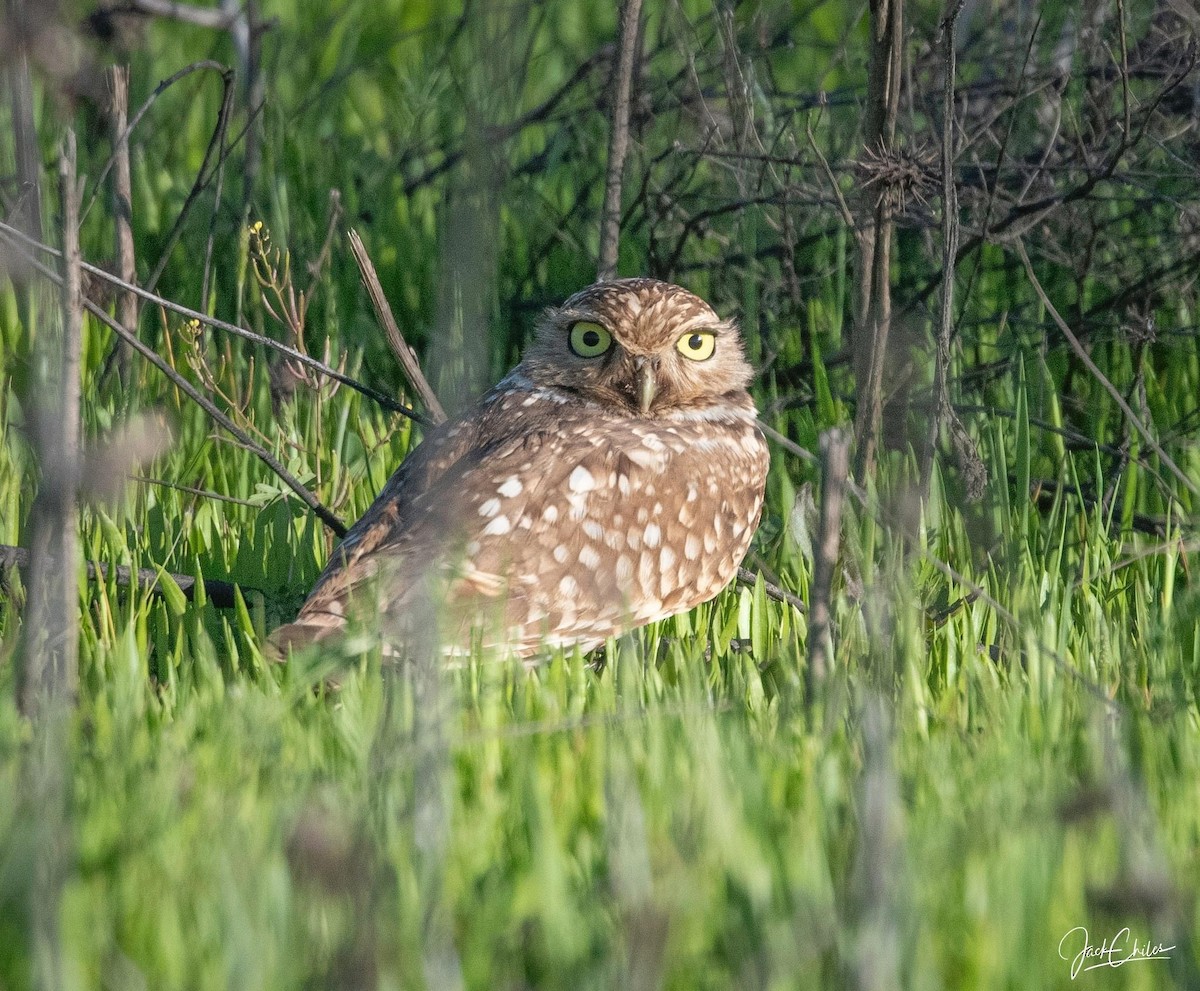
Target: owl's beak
point(647, 385)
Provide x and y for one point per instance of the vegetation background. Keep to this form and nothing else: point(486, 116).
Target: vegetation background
point(1005, 745)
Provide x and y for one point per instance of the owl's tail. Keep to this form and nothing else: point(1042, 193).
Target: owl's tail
point(311, 626)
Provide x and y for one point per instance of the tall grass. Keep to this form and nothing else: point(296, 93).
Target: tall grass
point(995, 760)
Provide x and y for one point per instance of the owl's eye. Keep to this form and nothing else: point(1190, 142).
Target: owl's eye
point(698, 345)
point(589, 340)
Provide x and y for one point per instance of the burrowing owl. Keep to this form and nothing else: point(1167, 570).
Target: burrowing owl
point(615, 477)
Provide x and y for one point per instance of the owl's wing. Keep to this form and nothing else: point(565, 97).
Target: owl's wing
point(389, 517)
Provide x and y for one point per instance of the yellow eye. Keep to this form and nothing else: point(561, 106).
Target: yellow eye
point(698, 345)
point(589, 340)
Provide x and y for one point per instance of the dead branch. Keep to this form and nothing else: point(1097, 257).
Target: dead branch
point(220, 593)
point(205, 65)
point(618, 143)
point(873, 326)
point(835, 466)
point(19, 240)
point(217, 18)
point(974, 470)
point(1099, 376)
point(28, 213)
point(49, 671)
point(404, 354)
point(216, 144)
point(181, 383)
point(122, 194)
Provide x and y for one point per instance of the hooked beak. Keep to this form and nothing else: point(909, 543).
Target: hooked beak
point(647, 385)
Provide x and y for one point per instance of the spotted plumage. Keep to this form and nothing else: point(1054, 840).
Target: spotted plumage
point(615, 477)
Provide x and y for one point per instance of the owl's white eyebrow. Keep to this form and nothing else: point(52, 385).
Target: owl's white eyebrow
point(576, 316)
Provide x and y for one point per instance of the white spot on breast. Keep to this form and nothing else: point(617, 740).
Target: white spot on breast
point(512, 487)
point(489, 508)
point(578, 503)
point(560, 553)
point(666, 558)
point(593, 530)
point(624, 569)
point(498, 526)
point(588, 557)
point(550, 514)
point(652, 535)
point(644, 458)
point(691, 547)
point(581, 480)
point(568, 586)
point(623, 484)
point(647, 570)
point(472, 548)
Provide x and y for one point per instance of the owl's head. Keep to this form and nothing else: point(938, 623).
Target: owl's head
point(640, 344)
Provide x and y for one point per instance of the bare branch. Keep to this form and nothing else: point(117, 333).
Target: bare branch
point(15, 237)
point(873, 328)
point(835, 465)
point(404, 354)
point(618, 141)
point(122, 194)
point(217, 18)
point(181, 383)
point(1112, 390)
point(220, 593)
point(973, 467)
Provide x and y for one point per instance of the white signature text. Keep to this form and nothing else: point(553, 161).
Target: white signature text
point(1115, 952)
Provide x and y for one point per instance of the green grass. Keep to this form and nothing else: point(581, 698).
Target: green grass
point(980, 775)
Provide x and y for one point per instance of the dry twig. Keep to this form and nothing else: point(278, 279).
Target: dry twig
point(19, 240)
point(265, 456)
point(618, 142)
point(122, 189)
point(1099, 376)
point(404, 354)
point(835, 465)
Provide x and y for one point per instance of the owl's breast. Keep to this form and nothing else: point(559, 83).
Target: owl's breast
point(604, 525)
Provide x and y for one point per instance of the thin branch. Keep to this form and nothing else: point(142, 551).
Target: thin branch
point(618, 141)
point(122, 194)
point(873, 329)
point(843, 206)
point(219, 593)
point(835, 465)
point(187, 70)
point(219, 19)
point(971, 464)
point(404, 354)
point(1099, 376)
point(181, 383)
point(16, 238)
point(216, 144)
point(786, 443)
point(749, 578)
point(49, 670)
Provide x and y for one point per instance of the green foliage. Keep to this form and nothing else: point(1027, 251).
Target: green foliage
point(682, 815)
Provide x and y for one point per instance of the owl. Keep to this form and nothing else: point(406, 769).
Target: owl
point(614, 478)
